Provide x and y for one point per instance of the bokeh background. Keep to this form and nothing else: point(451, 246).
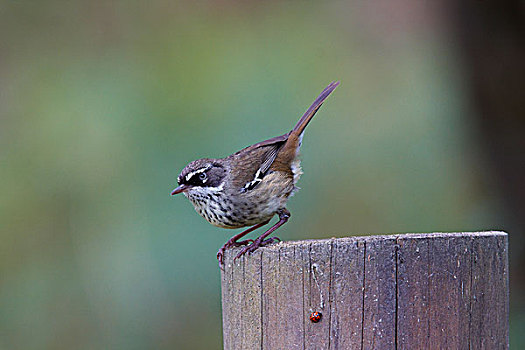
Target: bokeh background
point(103, 103)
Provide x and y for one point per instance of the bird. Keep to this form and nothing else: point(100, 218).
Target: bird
point(249, 187)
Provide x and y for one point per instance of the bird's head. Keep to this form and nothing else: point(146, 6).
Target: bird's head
point(202, 174)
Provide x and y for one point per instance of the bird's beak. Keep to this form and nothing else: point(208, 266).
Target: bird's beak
point(181, 188)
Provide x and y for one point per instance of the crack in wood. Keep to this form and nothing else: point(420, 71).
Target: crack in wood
point(363, 301)
point(396, 320)
point(329, 294)
point(315, 269)
point(261, 297)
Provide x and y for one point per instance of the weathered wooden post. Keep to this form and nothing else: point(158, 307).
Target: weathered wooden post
point(409, 291)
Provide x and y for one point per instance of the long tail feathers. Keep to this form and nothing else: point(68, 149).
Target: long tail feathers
point(310, 112)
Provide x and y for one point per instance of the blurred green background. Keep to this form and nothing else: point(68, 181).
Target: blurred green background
point(103, 103)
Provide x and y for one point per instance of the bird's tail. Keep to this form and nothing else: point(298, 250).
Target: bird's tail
point(298, 129)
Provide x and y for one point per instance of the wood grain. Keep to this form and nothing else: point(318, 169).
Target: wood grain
point(409, 291)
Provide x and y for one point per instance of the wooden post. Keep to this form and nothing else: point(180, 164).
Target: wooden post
point(408, 291)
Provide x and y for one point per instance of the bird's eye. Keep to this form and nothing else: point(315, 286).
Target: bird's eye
point(203, 176)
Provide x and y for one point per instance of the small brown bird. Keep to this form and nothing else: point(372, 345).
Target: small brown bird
point(249, 187)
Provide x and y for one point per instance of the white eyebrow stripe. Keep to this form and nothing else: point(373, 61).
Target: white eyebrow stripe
point(201, 170)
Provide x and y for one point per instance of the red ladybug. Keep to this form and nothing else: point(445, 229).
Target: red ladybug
point(315, 316)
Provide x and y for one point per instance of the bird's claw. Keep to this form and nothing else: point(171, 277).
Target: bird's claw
point(269, 241)
point(229, 244)
point(256, 244)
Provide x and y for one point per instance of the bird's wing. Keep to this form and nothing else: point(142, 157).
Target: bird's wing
point(274, 140)
point(261, 157)
point(270, 157)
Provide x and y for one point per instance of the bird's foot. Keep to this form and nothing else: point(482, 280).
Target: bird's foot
point(270, 241)
point(231, 243)
point(256, 244)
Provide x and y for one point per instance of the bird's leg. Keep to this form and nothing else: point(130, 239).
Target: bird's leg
point(284, 215)
point(232, 242)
